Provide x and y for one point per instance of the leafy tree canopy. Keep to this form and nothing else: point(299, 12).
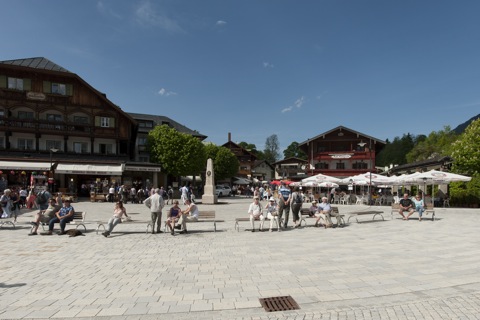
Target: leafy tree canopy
point(294, 151)
point(438, 143)
point(395, 152)
point(272, 148)
point(225, 163)
point(178, 153)
point(466, 150)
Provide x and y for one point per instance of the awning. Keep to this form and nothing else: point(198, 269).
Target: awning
point(143, 169)
point(23, 165)
point(96, 169)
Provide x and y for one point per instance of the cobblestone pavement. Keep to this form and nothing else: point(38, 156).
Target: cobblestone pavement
point(390, 269)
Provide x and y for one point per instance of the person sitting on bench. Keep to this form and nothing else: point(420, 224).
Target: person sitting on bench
point(256, 213)
point(406, 204)
point(188, 215)
point(419, 206)
point(272, 210)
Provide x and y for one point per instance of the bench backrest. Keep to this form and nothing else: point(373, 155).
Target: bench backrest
point(335, 210)
point(206, 214)
point(395, 206)
point(79, 215)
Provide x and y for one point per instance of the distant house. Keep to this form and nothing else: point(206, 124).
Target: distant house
point(262, 170)
point(342, 152)
point(291, 168)
point(245, 158)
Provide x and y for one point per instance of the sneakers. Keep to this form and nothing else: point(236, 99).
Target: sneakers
point(106, 234)
point(183, 231)
point(61, 233)
point(32, 234)
point(49, 233)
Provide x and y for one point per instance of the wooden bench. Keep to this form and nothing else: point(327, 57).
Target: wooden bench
point(203, 216)
point(305, 213)
point(363, 213)
point(429, 208)
point(243, 219)
point(78, 220)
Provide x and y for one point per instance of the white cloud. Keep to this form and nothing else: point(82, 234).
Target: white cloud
point(297, 104)
point(221, 23)
point(103, 9)
point(166, 93)
point(268, 65)
point(147, 15)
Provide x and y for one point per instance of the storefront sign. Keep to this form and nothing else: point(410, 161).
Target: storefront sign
point(35, 96)
point(341, 156)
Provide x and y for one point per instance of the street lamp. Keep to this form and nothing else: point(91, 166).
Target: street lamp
point(52, 151)
point(362, 144)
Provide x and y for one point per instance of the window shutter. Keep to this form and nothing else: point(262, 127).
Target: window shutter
point(27, 84)
point(47, 87)
point(69, 90)
point(3, 81)
point(97, 121)
point(112, 122)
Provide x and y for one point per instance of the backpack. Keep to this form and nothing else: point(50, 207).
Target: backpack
point(298, 198)
point(41, 198)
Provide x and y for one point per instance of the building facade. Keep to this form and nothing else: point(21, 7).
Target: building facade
point(57, 131)
point(341, 152)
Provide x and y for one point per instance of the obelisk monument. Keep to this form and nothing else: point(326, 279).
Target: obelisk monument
point(209, 196)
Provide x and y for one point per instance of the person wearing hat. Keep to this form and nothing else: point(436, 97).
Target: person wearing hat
point(285, 197)
point(63, 216)
point(256, 213)
point(272, 215)
point(313, 209)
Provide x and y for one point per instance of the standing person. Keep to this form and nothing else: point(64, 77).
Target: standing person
point(406, 204)
point(184, 191)
point(285, 197)
point(64, 215)
point(32, 199)
point(111, 194)
point(170, 195)
point(297, 201)
point(23, 197)
point(140, 195)
point(256, 213)
point(155, 203)
point(419, 206)
point(188, 215)
point(118, 212)
point(6, 203)
point(332, 195)
point(272, 210)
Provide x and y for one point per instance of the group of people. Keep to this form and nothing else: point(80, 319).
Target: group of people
point(176, 218)
point(280, 212)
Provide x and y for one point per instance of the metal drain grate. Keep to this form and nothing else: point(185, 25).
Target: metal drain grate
point(279, 303)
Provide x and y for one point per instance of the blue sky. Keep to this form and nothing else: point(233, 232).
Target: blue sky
point(256, 68)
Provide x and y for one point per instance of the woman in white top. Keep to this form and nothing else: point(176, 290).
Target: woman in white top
point(118, 212)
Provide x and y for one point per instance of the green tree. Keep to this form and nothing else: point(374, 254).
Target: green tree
point(294, 151)
point(438, 143)
point(178, 153)
point(466, 156)
point(272, 147)
point(225, 163)
point(250, 147)
point(395, 152)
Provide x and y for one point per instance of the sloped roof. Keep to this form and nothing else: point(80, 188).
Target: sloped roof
point(36, 63)
point(344, 129)
point(159, 120)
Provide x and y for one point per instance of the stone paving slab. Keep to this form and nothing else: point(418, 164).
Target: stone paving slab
point(390, 269)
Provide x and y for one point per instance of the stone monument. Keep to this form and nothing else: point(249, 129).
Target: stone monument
point(209, 196)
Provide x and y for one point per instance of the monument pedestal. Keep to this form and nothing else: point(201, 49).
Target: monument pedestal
point(209, 196)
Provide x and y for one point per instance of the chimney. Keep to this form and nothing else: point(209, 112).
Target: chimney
point(229, 136)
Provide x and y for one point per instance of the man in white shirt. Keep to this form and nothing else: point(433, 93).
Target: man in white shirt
point(256, 213)
point(190, 214)
point(155, 203)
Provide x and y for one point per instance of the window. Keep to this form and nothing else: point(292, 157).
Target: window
point(25, 144)
point(321, 165)
point(25, 115)
point(147, 124)
point(360, 165)
point(80, 120)
point(54, 117)
point(59, 88)
point(14, 83)
point(104, 122)
point(105, 148)
point(52, 144)
point(80, 147)
point(340, 165)
point(142, 141)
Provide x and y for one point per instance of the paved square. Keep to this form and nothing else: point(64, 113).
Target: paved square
point(390, 269)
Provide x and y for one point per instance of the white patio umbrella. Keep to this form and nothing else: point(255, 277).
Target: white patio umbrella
point(328, 185)
point(439, 177)
point(310, 184)
point(322, 178)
